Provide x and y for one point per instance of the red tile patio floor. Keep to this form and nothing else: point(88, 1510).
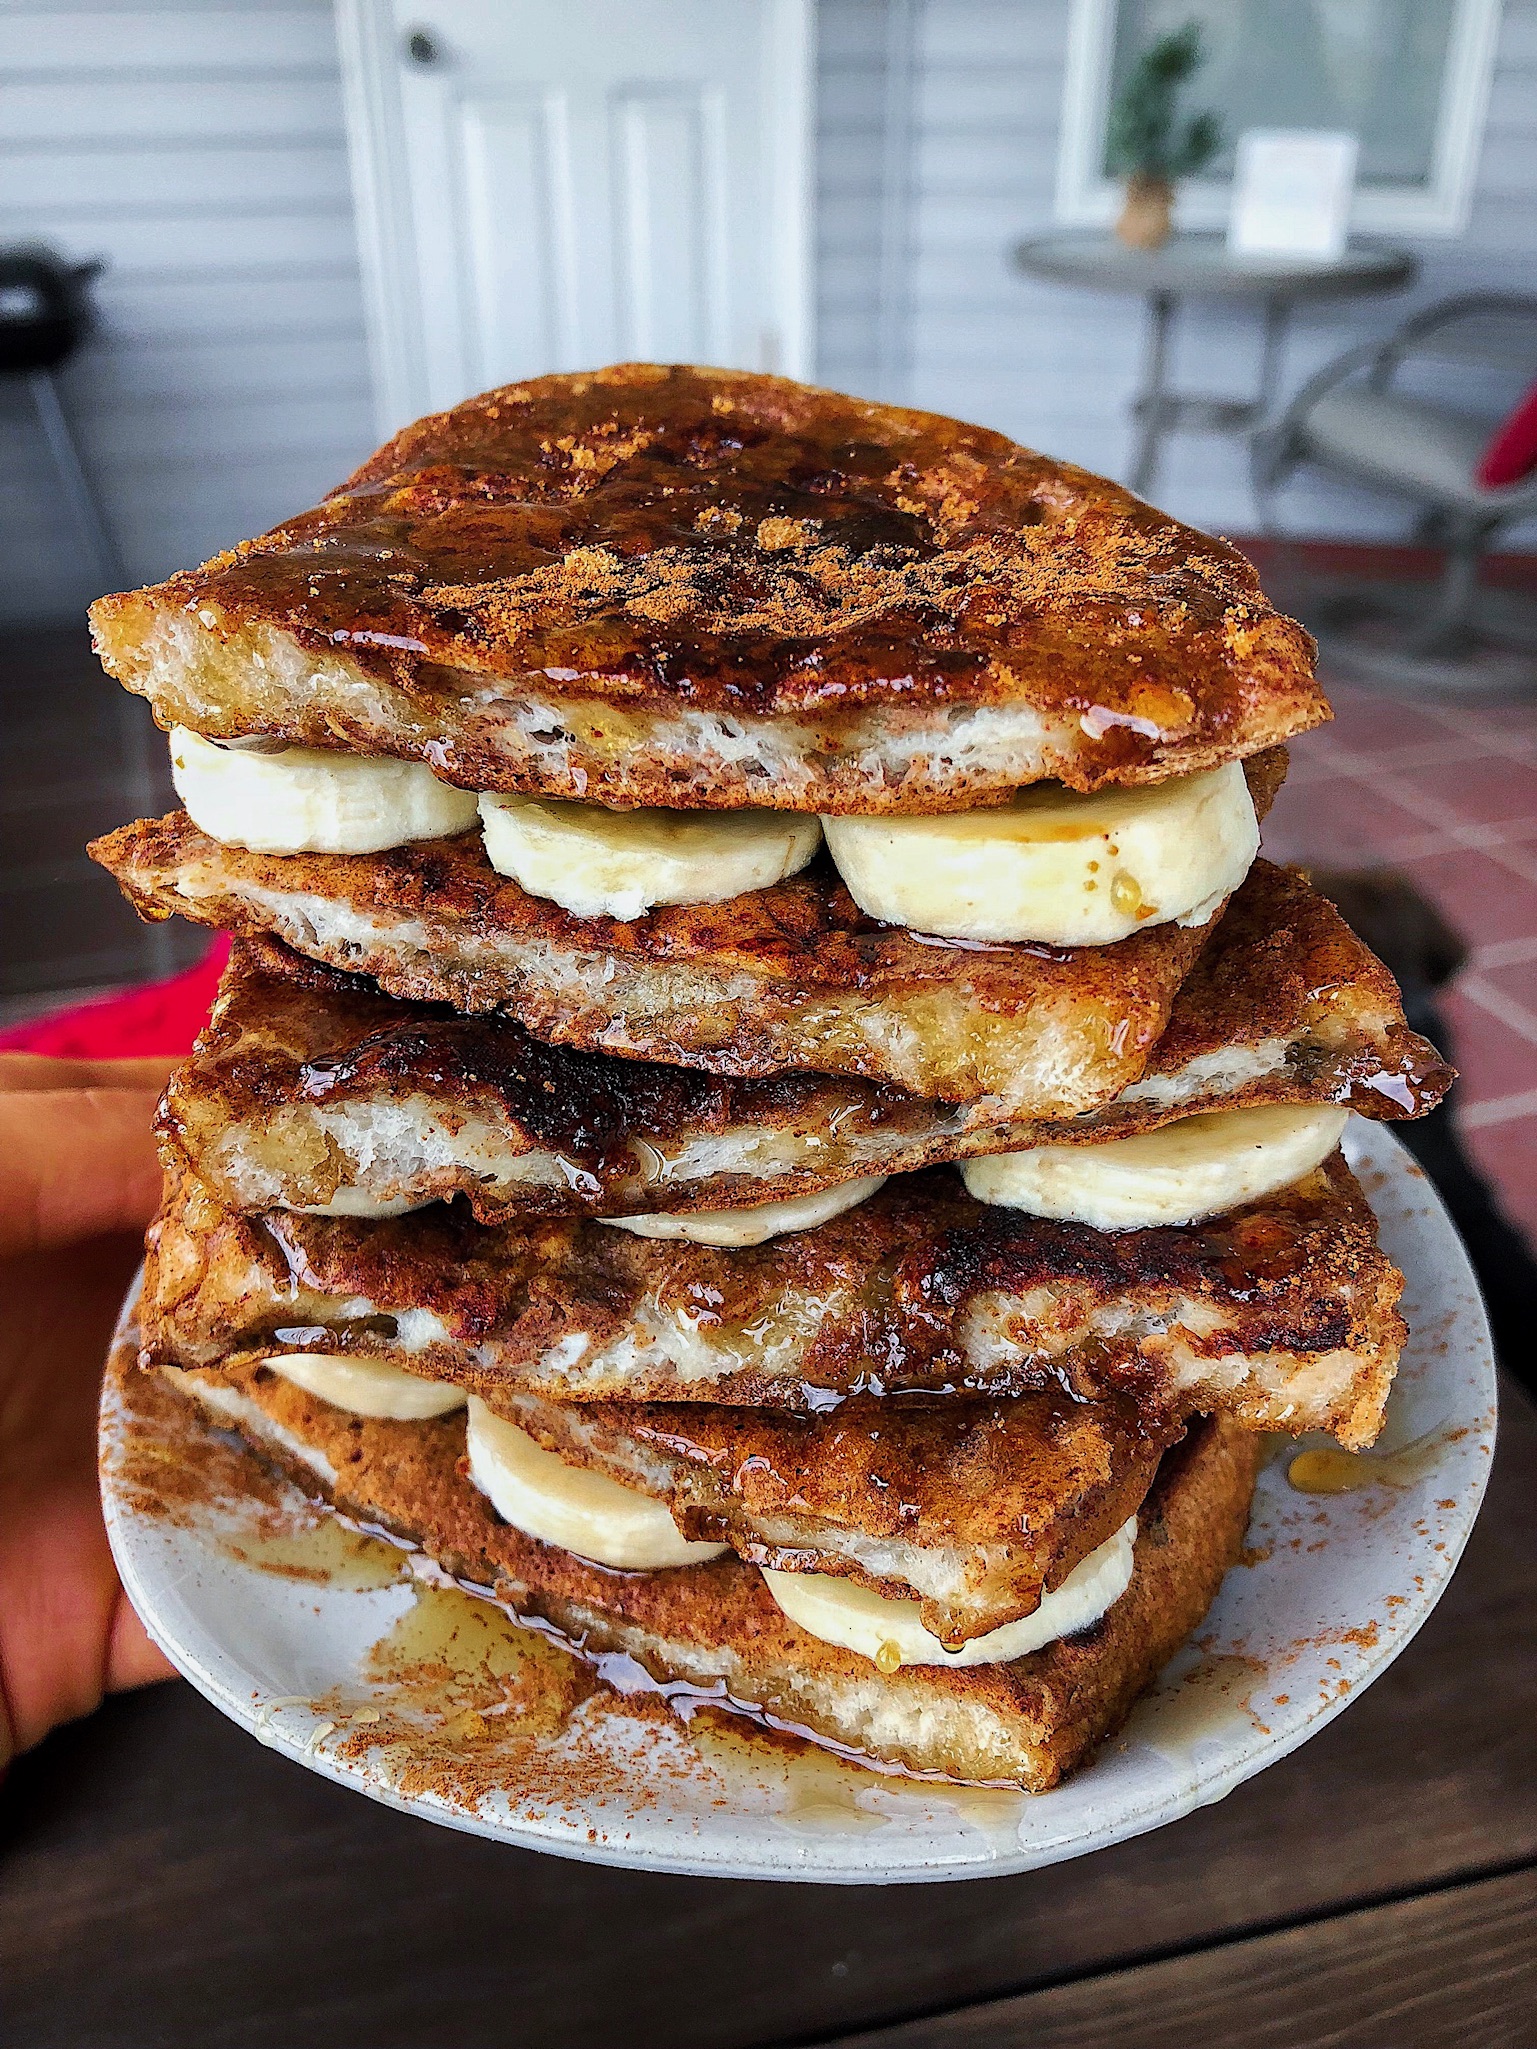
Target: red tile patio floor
point(1447, 795)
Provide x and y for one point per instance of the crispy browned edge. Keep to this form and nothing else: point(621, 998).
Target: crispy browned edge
point(648, 540)
point(1040, 1477)
point(1051, 1708)
point(288, 1032)
point(1297, 1276)
point(725, 987)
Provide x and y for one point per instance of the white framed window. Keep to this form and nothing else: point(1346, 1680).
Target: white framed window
point(1410, 78)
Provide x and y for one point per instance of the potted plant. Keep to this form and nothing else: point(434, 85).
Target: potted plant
point(1145, 144)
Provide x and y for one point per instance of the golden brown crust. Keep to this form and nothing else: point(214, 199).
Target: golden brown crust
point(616, 553)
point(289, 1090)
point(1023, 1723)
point(795, 976)
point(975, 1508)
point(1282, 1311)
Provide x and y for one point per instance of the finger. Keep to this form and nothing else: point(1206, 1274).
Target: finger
point(69, 1634)
point(59, 1590)
point(41, 1071)
point(132, 1659)
point(75, 1163)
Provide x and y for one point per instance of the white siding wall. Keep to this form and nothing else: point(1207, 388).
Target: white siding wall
point(199, 148)
point(1053, 366)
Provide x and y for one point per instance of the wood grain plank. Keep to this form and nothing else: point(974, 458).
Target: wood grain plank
point(983, 31)
point(137, 41)
point(205, 176)
point(69, 110)
point(1450, 1968)
point(211, 247)
point(189, 312)
point(243, 1902)
point(227, 370)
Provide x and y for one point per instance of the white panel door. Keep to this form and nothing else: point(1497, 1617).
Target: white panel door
point(555, 184)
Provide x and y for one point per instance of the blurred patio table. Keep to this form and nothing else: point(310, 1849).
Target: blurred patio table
point(1200, 267)
point(165, 1881)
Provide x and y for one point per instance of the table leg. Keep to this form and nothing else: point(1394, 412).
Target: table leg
point(1276, 312)
point(1149, 407)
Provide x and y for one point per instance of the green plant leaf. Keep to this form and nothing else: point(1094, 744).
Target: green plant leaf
point(1141, 134)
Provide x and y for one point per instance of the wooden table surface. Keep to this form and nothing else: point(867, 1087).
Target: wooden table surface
point(166, 1881)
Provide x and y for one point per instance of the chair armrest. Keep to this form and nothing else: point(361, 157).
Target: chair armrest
point(1302, 401)
point(1419, 327)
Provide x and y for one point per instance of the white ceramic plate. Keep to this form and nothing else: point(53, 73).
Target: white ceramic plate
point(1333, 1588)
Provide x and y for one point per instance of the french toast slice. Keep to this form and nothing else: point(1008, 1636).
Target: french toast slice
point(715, 1627)
point(313, 1090)
point(685, 587)
point(973, 1509)
point(1281, 1312)
point(791, 977)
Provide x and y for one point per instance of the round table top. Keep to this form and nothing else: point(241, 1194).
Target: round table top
point(1201, 266)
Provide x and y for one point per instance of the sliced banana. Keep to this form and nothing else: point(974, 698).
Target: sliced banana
point(1195, 1167)
point(752, 1226)
point(1054, 866)
point(366, 1387)
point(890, 1634)
point(581, 1511)
point(308, 800)
point(598, 863)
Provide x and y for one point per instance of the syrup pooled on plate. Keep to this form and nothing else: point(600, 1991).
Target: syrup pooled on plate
point(1326, 1469)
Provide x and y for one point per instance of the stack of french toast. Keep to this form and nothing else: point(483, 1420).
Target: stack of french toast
point(764, 1108)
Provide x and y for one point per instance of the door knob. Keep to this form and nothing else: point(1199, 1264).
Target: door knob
point(423, 48)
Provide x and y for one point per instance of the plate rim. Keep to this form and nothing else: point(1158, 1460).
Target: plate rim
point(703, 1856)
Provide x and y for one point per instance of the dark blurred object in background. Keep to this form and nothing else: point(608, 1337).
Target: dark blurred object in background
point(77, 756)
point(45, 314)
point(1424, 953)
point(45, 307)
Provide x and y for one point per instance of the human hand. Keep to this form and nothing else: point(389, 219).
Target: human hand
point(78, 1183)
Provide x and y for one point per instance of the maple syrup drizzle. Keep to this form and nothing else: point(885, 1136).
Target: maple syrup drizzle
point(1326, 1469)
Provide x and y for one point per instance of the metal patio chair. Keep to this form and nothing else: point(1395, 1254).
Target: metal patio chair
point(1355, 420)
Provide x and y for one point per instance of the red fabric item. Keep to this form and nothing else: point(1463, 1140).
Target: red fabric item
point(1512, 454)
point(161, 1018)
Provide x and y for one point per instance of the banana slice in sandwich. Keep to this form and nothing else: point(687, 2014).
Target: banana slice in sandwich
point(598, 863)
point(890, 1634)
point(1054, 866)
point(755, 1225)
point(1195, 1167)
point(309, 800)
point(581, 1511)
point(367, 1387)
